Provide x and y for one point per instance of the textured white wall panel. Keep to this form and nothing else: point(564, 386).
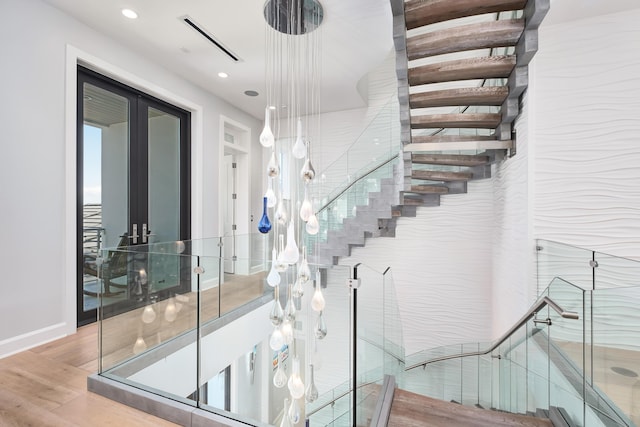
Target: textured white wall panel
point(513, 250)
point(441, 266)
point(587, 165)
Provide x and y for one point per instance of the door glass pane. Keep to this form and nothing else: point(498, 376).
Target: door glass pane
point(105, 191)
point(164, 192)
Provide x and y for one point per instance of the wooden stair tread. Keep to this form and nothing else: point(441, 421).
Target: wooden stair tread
point(483, 35)
point(459, 120)
point(411, 409)
point(450, 138)
point(429, 189)
point(485, 95)
point(424, 12)
point(462, 145)
point(412, 201)
point(450, 159)
point(441, 175)
point(486, 67)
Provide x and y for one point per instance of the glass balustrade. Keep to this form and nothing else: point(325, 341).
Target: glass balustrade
point(192, 327)
point(197, 327)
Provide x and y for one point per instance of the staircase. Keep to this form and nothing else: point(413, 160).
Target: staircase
point(462, 66)
point(411, 409)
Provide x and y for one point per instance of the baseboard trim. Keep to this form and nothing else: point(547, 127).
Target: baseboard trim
point(13, 345)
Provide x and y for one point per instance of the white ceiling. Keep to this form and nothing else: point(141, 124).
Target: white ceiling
point(356, 36)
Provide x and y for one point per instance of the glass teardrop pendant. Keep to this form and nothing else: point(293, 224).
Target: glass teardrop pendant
point(148, 314)
point(277, 314)
point(291, 251)
point(317, 302)
point(281, 213)
point(270, 194)
point(264, 226)
point(299, 150)
point(286, 422)
point(279, 378)
point(290, 307)
point(139, 346)
point(171, 310)
point(321, 327)
point(298, 289)
point(307, 173)
point(306, 210)
point(287, 332)
point(273, 278)
point(312, 226)
point(304, 273)
point(294, 412)
point(312, 391)
point(281, 266)
point(272, 167)
point(266, 136)
point(295, 384)
point(276, 341)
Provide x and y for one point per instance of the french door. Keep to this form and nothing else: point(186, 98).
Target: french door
point(133, 189)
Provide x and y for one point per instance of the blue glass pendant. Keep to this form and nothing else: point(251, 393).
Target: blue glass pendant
point(264, 225)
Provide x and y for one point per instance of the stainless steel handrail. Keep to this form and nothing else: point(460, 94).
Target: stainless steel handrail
point(335, 399)
point(530, 314)
point(375, 168)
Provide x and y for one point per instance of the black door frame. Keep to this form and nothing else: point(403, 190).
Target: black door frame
point(138, 154)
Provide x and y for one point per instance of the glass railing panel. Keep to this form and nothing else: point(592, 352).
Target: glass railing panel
point(470, 375)
point(567, 262)
point(503, 371)
point(153, 328)
point(330, 405)
point(377, 143)
point(517, 356)
point(393, 341)
point(566, 351)
point(485, 381)
point(537, 347)
point(452, 388)
point(370, 331)
point(256, 366)
point(616, 351)
point(615, 272)
point(433, 379)
point(568, 334)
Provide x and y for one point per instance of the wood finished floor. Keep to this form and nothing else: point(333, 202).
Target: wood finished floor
point(47, 385)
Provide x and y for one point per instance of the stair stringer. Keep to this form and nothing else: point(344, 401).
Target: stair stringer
point(379, 217)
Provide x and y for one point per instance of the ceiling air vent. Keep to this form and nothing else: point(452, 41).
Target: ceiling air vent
point(207, 35)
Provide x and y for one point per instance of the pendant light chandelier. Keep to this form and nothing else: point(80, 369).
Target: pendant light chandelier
point(291, 116)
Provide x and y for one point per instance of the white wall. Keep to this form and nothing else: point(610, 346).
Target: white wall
point(36, 289)
point(441, 263)
point(513, 249)
point(587, 173)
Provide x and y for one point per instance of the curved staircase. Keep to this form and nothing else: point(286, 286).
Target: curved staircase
point(461, 68)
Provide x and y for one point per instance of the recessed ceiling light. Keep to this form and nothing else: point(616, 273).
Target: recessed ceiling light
point(272, 107)
point(251, 93)
point(223, 75)
point(129, 13)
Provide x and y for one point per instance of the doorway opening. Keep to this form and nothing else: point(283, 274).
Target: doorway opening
point(235, 196)
point(133, 188)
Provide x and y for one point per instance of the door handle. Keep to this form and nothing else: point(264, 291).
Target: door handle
point(146, 233)
point(134, 234)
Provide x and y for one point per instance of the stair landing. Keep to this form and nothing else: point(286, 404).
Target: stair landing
point(411, 409)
